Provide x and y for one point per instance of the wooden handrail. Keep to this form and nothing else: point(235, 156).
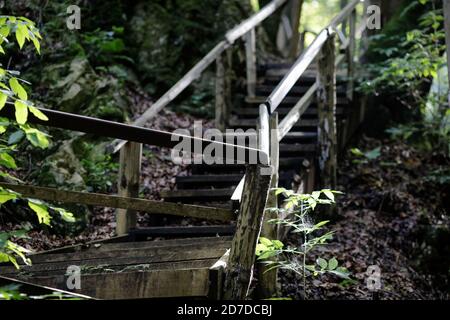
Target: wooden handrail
point(296, 71)
point(194, 73)
point(304, 61)
point(111, 129)
point(345, 12)
point(241, 29)
point(175, 90)
point(104, 200)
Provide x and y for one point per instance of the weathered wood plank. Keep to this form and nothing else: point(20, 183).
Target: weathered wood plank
point(250, 60)
point(326, 96)
point(350, 53)
point(137, 285)
point(296, 13)
point(267, 279)
point(128, 184)
point(251, 213)
point(150, 206)
point(92, 261)
point(241, 29)
point(296, 71)
point(296, 112)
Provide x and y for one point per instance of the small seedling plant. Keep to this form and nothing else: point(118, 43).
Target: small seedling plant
point(295, 258)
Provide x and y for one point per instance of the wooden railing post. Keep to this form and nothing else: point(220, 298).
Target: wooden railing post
point(248, 227)
point(267, 280)
point(295, 17)
point(351, 55)
point(326, 101)
point(220, 93)
point(128, 184)
point(250, 58)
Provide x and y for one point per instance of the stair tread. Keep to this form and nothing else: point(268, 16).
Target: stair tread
point(289, 100)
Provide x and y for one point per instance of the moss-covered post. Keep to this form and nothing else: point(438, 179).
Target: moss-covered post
point(267, 280)
point(326, 101)
point(128, 184)
point(242, 254)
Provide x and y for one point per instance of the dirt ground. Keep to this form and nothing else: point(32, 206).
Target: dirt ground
point(394, 216)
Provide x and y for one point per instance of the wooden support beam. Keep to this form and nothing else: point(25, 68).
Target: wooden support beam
point(351, 55)
point(326, 102)
point(267, 279)
point(447, 38)
point(128, 184)
point(296, 112)
point(220, 93)
point(250, 59)
point(296, 13)
point(103, 200)
point(251, 213)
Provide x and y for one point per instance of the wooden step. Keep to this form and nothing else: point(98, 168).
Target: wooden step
point(216, 180)
point(286, 163)
point(146, 269)
point(209, 180)
point(297, 148)
point(252, 112)
point(251, 123)
point(288, 101)
point(183, 231)
point(204, 195)
point(297, 91)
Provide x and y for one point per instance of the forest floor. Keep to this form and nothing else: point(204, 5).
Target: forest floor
point(392, 216)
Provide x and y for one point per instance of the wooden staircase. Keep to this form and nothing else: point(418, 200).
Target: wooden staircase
point(216, 183)
point(214, 260)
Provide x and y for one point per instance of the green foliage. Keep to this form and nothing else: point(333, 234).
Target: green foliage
point(12, 92)
point(277, 255)
point(365, 157)
point(100, 173)
point(405, 70)
point(105, 47)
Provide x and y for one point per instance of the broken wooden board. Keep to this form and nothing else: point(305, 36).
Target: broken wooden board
point(131, 270)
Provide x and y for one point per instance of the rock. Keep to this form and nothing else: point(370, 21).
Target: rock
point(64, 169)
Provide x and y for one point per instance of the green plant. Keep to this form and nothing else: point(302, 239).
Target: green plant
point(13, 93)
point(301, 206)
point(365, 157)
point(407, 68)
point(100, 173)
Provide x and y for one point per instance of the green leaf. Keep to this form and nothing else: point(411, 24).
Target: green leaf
point(41, 212)
point(332, 264)
point(329, 194)
point(6, 195)
point(357, 152)
point(373, 154)
point(35, 136)
point(21, 34)
point(322, 263)
point(16, 137)
point(7, 161)
point(37, 113)
point(265, 241)
point(18, 89)
point(65, 215)
point(21, 112)
point(3, 98)
point(320, 224)
point(278, 244)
